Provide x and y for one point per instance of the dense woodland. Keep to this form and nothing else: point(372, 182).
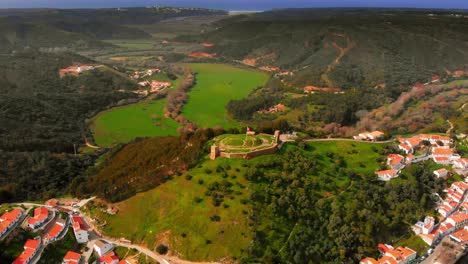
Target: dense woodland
point(313, 221)
point(43, 117)
point(143, 165)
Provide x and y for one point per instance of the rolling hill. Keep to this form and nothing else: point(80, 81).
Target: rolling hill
point(345, 48)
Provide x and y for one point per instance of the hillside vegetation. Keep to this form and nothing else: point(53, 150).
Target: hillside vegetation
point(43, 119)
point(346, 48)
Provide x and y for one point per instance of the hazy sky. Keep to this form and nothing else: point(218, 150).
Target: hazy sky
point(236, 4)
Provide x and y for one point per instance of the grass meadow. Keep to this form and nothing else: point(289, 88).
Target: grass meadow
point(217, 84)
point(124, 124)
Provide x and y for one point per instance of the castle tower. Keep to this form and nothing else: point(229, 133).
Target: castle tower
point(277, 136)
point(214, 152)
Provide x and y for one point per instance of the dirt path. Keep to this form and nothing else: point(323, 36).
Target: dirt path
point(343, 51)
point(451, 127)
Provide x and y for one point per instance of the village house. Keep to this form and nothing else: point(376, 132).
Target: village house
point(30, 249)
point(9, 219)
point(441, 173)
point(274, 109)
point(441, 160)
point(109, 258)
point(371, 136)
point(461, 236)
point(435, 139)
point(310, 89)
point(399, 255)
point(269, 68)
point(55, 232)
point(386, 175)
point(442, 152)
point(156, 85)
point(52, 203)
point(461, 163)
point(72, 258)
point(102, 248)
point(454, 196)
point(410, 158)
point(395, 161)
point(425, 227)
point(40, 217)
point(80, 230)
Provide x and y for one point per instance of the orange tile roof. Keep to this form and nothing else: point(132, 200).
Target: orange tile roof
point(391, 172)
point(461, 235)
point(387, 260)
point(406, 147)
point(369, 260)
point(442, 151)
point(40, 214)
point(441, 159)
point(401, 253)
point(72, 258)
point(459, 217)
point(8, 218)
point(30, 248)
point(55, 231)
point(109, 258)
point(395, 159)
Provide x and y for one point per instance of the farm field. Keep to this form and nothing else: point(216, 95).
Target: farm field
point(124, 124)
point(179, 212)
point(217, 84)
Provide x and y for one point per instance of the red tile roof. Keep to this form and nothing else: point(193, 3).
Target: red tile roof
point(55, 231)
point(72, 258)
point(109, 258)
point(40, 214)
point(394, 159)
point(30, 248)
point(442, 151)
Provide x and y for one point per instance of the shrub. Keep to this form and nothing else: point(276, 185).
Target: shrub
point(162, 249)
point(188, 177)
point(201, 181)
point(215, 218)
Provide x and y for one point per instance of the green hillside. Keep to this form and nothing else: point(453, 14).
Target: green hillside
point(346, 48)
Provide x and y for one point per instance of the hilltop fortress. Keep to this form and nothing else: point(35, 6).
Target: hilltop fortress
point(245, 146)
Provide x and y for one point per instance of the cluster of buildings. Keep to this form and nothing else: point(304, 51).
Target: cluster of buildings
point(274, 109)
point(439, 149)
point(453, 211)
point(75, 70)
point(370, 136)
point(9, 219)
point(391, 255)
point(155, 85)
point(30, 249)
point(141, 74)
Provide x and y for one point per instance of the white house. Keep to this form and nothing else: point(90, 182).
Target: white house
point(461, 163)
point(40, 217)
point(72, 258)
point(80, 230)
point(441, 173)
point(102, 248)
point(387, 175)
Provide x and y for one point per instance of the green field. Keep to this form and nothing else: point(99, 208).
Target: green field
point(171, 212)
point(217, 84)
point(360, 157)
point(124, 124)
